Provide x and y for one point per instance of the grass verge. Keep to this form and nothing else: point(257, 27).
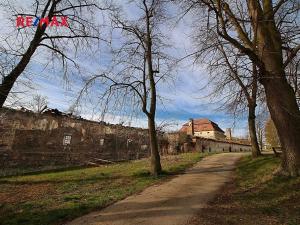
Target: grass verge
point(257, 197)
point(55, 197)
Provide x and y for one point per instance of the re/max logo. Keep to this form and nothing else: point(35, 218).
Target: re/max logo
point(27, 21)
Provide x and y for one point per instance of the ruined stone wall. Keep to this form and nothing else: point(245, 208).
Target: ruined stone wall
point(28, 139)
point(49, 139)
point(208, 145)
point(178, 143)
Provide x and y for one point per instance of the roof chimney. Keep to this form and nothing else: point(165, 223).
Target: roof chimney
point(190, 130)
point(228, 133)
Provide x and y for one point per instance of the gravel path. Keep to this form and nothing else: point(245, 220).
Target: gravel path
point(171, 203)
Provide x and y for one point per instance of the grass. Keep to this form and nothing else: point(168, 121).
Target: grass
point(256, 197)
point(5, 172)
point(275, 197)
point(55, 197)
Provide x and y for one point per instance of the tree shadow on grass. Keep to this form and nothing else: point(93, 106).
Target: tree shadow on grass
point(91, 179)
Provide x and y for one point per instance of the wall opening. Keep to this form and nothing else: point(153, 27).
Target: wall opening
point(67, 139)
point(101, 142)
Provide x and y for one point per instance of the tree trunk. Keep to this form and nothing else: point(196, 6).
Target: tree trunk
point(281, 99)
point(252, 131)
point(286, 116)
point(284, 111)
point(10, 79)
point(155, 158)
point(260, 137)
point(6, 86)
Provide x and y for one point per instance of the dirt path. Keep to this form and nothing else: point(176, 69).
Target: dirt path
point(171, 203)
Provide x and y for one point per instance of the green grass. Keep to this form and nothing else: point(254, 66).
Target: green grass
point(54, 197)
point(5, 172)
point(263, 193)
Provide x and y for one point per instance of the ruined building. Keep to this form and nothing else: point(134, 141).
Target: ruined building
point(54, 138)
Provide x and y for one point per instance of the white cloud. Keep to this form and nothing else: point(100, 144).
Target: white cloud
point(184, 98)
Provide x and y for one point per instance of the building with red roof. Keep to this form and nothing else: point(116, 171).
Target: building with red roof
point(203, 128)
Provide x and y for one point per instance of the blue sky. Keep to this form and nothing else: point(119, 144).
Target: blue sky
point(184, 97)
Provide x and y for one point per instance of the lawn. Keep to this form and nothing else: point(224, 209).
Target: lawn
point(257, 197)
point(276, 197)
point(55, 197)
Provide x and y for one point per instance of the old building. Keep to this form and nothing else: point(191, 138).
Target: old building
point(54, 138)
point(203, 135)
point(203, 128)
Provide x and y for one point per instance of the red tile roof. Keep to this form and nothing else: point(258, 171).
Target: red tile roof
point(202, 125)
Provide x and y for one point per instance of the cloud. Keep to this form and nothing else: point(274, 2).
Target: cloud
point(184, 97)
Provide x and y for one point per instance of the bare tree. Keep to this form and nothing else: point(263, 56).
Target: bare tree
point(271, 134)
point(293, 74)
point(38, 103)
point(139, 63)
point(269, 24)
point(248, 88)
point(76, 28)
point(235, 78)
point(261, 118)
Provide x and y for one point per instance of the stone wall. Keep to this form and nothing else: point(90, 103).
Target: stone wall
point(55, 139)
point(33, 140)
point(181, 142)
point(210, 145)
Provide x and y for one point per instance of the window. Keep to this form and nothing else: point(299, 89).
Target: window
point(129, 141)
point(67, 139)
point(101, 142)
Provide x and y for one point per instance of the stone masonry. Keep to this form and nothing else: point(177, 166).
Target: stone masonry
point(29, 139)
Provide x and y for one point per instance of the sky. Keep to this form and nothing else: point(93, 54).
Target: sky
point(185, 97)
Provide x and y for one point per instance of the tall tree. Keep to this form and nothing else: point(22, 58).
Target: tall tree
point(250, 91)
point(36, 30)
point(275, 47)
point(235, 78)
point(139, 64)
